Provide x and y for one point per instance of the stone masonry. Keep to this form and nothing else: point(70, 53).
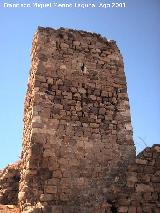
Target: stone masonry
point(77, 127)
point(78, 154)
point(141, 190)
point(137, 192)
point(9, 184)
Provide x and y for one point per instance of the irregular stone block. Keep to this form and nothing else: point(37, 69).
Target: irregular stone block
point(144, 188)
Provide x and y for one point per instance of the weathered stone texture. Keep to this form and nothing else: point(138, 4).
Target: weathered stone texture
point(141, 192)
point(78, 154)
point(77, 126)
point(9, 209)
point(9, 184)
point(137, 192)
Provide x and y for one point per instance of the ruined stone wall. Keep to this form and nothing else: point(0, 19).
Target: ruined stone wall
point(78, 154)
point(9, 184)
point(138, 192)
point(141, 193)
point(77, 126)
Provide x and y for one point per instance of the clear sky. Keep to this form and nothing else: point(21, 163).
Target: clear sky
point(136, 30)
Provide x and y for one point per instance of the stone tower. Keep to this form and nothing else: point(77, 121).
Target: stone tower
point(77, 136)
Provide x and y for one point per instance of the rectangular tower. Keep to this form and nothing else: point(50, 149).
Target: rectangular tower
point(77, 125)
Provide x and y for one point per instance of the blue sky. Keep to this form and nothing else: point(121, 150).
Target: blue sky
point(136, 30)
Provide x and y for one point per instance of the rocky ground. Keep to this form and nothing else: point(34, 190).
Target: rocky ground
point(9, 209)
